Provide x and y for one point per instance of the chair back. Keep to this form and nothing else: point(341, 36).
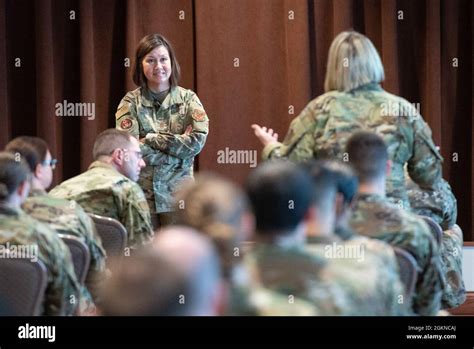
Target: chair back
point(435, 228)
point(112, 233)
point(80, 254)
point(408, 270)
point(22, 286)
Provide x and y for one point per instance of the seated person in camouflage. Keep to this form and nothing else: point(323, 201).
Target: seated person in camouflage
point(346, 189)
point(369, 266)
point(108, 188)
point(441, 206)
point(64, 216)
point(19, 229)
point(346, 185)
point(281, 196)
point(374, 216)
point(178, 275)
point(220, 210)
point(354, 100)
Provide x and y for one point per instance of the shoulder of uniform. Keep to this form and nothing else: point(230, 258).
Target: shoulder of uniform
point(124, 183)
point(130, 98)
point(324, 102)
point(77, 208)
point(133, 94)
point(41, 227)
point(47, 200)
point(136, 190)
point(414, 225)
point(186, 94)
point(130, 190)
point(181, 89)
point(117, 181)
point(325, 98)
point(23, 221)
point(64, 205)
point(184, 90)
point(400, 106)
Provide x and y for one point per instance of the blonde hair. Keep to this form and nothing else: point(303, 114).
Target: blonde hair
point(353, 61)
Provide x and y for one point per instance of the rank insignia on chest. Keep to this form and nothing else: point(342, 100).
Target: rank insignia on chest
point(126, 124)
point(199, 115)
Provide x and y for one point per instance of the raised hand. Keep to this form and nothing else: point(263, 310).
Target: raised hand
point(266, 136)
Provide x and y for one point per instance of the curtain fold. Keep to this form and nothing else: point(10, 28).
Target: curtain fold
point(249, 62)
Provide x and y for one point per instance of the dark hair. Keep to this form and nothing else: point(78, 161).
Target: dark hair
point(32, 149)
point(368, 155)
point(324, 185)
point(145, 46)
point(214, 206)
point(109, 140)
point(280, 193)
point(344, 177)
point(13, 172)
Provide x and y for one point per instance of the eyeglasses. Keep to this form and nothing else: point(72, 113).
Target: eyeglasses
point(139, 154)
point(52, 163)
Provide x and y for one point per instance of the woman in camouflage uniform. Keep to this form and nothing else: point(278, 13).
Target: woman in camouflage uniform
point(169, 121)
point(355, 101)
point(20, 232)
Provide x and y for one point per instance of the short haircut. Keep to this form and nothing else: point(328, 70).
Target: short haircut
point(353, 61)
point(147, 285)
point(32, 149)
point(194, 254)
point(368, 155)
point(145, 46)
point(176, 276)
point(344, 177)
point(108, 141)
point(324, 185)
point(214, 206)
point(13, 171)
point(280, 194)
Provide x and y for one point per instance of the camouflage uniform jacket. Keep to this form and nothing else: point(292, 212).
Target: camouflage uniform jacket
point(104, 191)
point(247, 298)
point(441, 206)
point(265, 302)
point(168, 150)
point(374, 216)
point(67, 217)
point(63, 289)
point(368, 269)
point(297, 273)
point(327, 122)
